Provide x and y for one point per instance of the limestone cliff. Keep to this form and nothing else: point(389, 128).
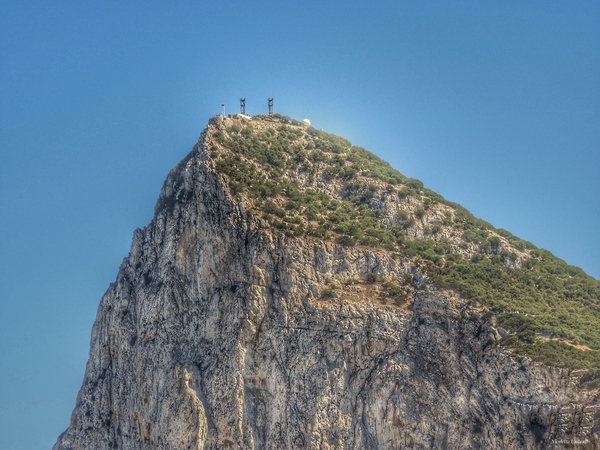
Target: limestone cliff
point(224, 331)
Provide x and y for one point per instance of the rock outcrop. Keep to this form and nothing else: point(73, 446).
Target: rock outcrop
point(221, 333)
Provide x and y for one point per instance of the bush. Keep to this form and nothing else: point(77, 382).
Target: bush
point(272, 208)
point(328, 293)
point(371, 277)
point(346, 241)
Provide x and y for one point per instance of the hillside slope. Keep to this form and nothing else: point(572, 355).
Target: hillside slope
point(294, 291)
point(310, 183)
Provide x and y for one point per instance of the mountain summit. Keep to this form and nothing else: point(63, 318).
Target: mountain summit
point(295, 291)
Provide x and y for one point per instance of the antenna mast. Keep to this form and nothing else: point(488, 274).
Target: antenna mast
point(270, 106)
point(243, 105)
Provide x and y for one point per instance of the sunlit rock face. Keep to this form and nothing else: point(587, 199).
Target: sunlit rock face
point(222, 333)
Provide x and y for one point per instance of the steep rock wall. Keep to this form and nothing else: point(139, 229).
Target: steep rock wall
point(215, 335)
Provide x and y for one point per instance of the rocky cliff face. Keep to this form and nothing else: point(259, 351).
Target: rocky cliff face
point(220, 332)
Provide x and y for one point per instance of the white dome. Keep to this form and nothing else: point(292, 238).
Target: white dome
point(306, 122)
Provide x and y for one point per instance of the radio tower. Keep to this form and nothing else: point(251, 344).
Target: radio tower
point(270, 106)
point(243, 105)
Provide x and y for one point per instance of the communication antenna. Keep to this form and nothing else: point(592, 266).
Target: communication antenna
point(243, 105)
point(223, 110)
point(270, 106)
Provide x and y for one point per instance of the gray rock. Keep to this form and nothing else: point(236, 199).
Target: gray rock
point(214, 336)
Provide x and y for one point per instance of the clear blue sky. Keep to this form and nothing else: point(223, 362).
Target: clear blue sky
point(495, 105)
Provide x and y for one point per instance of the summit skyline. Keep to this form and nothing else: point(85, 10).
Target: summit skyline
point(494, 106)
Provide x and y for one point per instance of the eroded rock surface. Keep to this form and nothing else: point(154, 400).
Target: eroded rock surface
point(216, 334)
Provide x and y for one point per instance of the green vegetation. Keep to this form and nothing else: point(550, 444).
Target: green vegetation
point(279, 166)
point(528, 300)
point(390, 290)
point(556, 353)
point(546, 294)
point(371, 278)
point(281, 157)
point(328, 293)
